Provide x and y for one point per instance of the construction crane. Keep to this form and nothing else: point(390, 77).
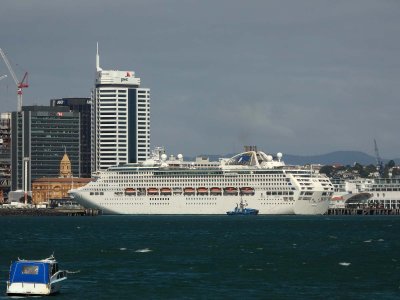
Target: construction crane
point(379, 163)
point(20, 84)
point(2, 77)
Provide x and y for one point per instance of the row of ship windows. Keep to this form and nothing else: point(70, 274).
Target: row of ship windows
point(192, 179)
point(377, 194)
point(267, 193)
point(165, 203)
point(386, 201)
point(207, 185)
point(309, 179)
point(383, 190)
point(187, 203)
point(179, 175)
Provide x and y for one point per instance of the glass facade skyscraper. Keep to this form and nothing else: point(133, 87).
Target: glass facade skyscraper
point(40, 135)
point(83, 106)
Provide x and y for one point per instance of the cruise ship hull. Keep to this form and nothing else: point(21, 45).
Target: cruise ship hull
point(197, 205)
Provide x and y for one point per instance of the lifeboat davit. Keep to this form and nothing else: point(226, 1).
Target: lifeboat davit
point(177, 190)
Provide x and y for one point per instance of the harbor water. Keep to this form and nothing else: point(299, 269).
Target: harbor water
point(212, 257)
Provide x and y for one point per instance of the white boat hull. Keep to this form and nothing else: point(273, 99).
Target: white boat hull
point(198, 205)
point(27, 288)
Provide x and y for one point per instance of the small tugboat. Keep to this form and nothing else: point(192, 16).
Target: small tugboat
point(35, 277)
point(241, 209)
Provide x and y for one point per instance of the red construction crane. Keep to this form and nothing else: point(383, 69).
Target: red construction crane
point(20, 84)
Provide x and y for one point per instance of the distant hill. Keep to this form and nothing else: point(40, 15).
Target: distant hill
point(337, 157)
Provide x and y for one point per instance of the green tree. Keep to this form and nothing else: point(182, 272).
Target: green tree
point(391, 164)
point(328, 170)
point(370, 169)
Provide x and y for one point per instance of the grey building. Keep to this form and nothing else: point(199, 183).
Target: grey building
point(40, 135)
point(83, 106)
point(5, 155)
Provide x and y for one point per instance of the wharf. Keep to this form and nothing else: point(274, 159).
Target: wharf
point(49, 212)
point(363, 211)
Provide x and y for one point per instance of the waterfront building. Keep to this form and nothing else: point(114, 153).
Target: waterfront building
point(382, 193)
point(120, 119)
point(40, 135)
point(83, 106)
point(5, 156)
point(56, 188)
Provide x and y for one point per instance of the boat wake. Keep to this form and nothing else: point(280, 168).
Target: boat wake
point(72, 272)
point(145, 250)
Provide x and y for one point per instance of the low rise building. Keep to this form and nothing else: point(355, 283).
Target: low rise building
point(50, 188)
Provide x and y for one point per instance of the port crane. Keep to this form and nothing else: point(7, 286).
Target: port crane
point(20, 84)
point(379, 163)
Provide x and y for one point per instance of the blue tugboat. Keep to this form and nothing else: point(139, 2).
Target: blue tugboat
point(241, 209)
point(35, 277)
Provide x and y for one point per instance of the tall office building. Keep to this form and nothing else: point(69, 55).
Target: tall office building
point(40, 136)
point(5, 155)
point(120, 119)
point(83, 106)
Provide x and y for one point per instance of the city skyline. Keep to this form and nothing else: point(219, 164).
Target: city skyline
point(298, 77)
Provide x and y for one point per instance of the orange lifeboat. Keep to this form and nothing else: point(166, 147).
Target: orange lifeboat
point(247, 190)
point(230, 190)
point(130, 191)
point(152, 191)
point(202, 191)
point(216, 191)
point(165, 191)
point(188, 191)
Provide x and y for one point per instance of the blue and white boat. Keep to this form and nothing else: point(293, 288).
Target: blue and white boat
point(241, 209)
point(35, 277)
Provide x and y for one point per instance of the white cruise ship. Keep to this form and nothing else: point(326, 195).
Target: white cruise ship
point(173, 186)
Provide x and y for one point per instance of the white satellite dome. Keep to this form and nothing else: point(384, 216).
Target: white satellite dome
point(269, 158)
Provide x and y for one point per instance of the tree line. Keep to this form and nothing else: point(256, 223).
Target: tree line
point(369, 171)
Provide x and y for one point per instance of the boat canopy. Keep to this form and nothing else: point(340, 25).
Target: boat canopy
point(29, 271)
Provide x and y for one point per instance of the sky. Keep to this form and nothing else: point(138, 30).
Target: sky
point(301, 77)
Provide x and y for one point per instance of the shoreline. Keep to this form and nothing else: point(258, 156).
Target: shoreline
point(48, 212)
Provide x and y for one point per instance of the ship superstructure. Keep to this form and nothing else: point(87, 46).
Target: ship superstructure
point(173, 186)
